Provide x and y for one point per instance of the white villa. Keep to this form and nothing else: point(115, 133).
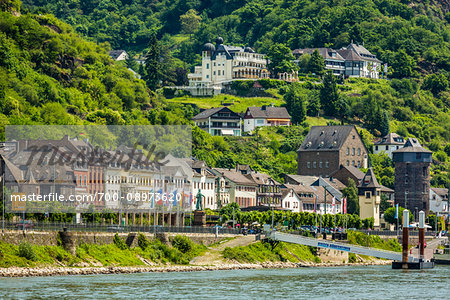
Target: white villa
point(222, 64)
point(352, 61)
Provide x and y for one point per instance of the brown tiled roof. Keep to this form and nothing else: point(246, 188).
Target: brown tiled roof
point(235, 176)
point(326, 138)
point(357, 173)
point(385, 189)
point(336, 183)
point(320, 192)
point(442, 192)
point(302, 179)
point(260, 178)
point(267, 112)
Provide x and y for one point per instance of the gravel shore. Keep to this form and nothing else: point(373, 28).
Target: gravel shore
point(62, 271)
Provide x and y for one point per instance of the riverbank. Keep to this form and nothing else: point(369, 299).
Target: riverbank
point(63, 271)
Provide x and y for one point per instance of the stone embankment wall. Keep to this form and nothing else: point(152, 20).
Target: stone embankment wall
point(53, 238)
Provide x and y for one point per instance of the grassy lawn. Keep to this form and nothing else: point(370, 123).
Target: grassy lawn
point(238, 104)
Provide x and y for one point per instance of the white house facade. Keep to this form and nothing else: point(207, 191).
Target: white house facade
point(388, 144)
point(291, 201)
point(222, 64)
point(265, 116)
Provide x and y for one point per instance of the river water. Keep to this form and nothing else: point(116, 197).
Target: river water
point(361, 282)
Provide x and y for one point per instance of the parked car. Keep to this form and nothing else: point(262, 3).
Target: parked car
point(26, 224)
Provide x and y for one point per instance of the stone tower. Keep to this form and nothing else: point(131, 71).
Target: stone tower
point(369, 193)
point(412, 177)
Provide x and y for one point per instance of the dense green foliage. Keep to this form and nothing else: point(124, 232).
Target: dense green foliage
point(262, 252)
point(27, 255)
point(389, 215)
point(294, 220)
point(374, 241)
point(49, 75)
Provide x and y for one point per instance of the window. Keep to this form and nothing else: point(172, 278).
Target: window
point(418, 155)
point(207, 67)
point(424, 186)
point(424, 205)
point(353, 137)
point(353, 151)
point(214, 73)
point(308, 165)
point(378, 193)
point(359, 151)
point(326, 164)
point(425, 171)
point(387, 148)
point(368, 195)
point(376, 148)
point(348, 163)
point(314, 164)
point(359, 164)
point(353, 163)
point(320, 164)
point(207, 76)
point(348, 151)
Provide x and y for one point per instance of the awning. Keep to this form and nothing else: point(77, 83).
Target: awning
point(227, 132)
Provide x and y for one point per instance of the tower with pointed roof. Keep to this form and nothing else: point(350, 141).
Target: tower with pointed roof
point(369, 193)
point(412, 176)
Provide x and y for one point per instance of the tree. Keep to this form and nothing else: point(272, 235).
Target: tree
point(153, 66)
point(436, 83)
point(389, 215)
point(316, 63)
point(383, 126)
point(351, 192)
point(329, 94)
point(131, 63)
point(10, 5)
point(190, 21)
point(403, 65)
point(280, 60)
point(296, 99)
point(313, 107)
point(303, 62)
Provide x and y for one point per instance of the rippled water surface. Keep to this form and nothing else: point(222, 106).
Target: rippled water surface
point(372, 282)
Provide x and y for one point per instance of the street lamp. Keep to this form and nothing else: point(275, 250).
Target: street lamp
point(271, 185)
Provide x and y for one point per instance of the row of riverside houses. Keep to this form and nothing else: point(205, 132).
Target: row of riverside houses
point(74, 169)
point(325, 167)
point(223, 121)
point(222, 64)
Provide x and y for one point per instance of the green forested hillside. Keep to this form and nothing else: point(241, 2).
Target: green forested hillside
point(420, 28)
point(51, 74)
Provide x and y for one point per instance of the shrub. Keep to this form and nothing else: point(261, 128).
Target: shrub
point(182, 243)
point(143, 243)
point(119, 242)
point(26, 251)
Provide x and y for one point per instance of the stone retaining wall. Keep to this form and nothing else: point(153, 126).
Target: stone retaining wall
point(52, 238)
